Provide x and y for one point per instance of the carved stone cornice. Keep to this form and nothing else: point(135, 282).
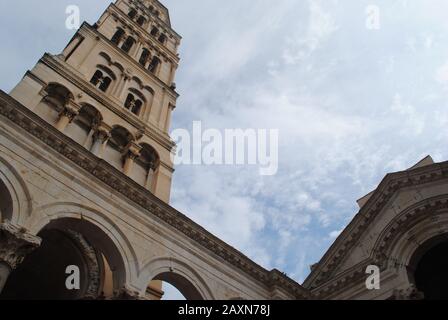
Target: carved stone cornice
point(105, 172)
point(404, 222)
point(16, 244)
point(279, 279)
point(381, 253)
point(343, 281)
point(390, 185)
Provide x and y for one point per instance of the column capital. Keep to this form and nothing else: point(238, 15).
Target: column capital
point(71, 110)
point(134, 150)
point(102, 132)
point(15, 244)
point(126, 293)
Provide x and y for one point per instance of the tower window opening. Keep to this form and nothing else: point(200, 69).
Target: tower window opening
point(144, 57)
point(118, 36)
point(154, 31)
point(141, 20)
point(132, 13)
point(101, 81)
point(127, 45)
point(162, 38)
point(154, 65)
point(132, 104)
point(148, 163)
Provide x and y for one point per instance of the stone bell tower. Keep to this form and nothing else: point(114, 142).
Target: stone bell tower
point(112, 90)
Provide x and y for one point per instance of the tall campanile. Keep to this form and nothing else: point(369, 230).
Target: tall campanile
point(112, 90)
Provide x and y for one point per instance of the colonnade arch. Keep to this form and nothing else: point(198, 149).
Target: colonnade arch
point(179, 274)
point(69, 242)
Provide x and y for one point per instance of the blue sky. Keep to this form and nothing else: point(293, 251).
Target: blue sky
point(351, 104)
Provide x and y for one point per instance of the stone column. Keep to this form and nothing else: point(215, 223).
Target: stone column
point(122, 92)
point(132, 154)
point(150, 177)
point(67, 115)
point(15, 245)
point(100, 139)
point(120, 88)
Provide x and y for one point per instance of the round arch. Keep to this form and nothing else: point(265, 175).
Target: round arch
point(18, 205)
point(98, 229)
point(177, 273)
point(410, 235)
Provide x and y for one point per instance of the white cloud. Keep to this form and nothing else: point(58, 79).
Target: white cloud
point(321, 26)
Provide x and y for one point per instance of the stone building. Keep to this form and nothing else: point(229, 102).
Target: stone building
point(85, 175)
point(401, 228)
point(85, 179)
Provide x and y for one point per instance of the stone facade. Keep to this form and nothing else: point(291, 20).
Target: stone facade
point(85, 168)
point(404, 218)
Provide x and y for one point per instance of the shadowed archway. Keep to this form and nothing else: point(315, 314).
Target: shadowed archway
point(430, 265)
point(68, 242)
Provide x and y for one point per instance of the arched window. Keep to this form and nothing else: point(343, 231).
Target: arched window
point(101, 81)
point(116, 38)
point(56, 98)
point(162, 38)
point(116, 146)
point(127, 45)
point(155, 62)
point(132, 13)
point(144, 57)
point(133, 104)
point(83, 126)
point(154, 31)
point(146, 167)
point(141, 20)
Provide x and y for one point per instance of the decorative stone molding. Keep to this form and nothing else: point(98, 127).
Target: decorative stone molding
point(16, 244)
point(381, 254)
point(39, 129)
point(387, 189)
point(403, 223)
point(409, 293)
point(102, 133)
point(126, 293)
point(133, 150)
point(93, 268)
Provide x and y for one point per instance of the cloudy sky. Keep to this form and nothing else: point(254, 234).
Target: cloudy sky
point(352, 103)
